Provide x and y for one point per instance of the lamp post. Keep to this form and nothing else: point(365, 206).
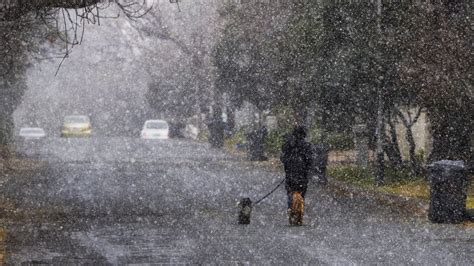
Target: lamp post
point(379, 165)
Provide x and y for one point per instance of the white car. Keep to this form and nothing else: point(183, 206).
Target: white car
point(32, 133)
point(155, 129)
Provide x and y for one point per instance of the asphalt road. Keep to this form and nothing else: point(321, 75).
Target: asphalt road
point(130, 201)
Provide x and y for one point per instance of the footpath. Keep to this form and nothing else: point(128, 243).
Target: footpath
point(410, 197)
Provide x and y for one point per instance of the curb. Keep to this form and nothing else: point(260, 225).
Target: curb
point(470, 215)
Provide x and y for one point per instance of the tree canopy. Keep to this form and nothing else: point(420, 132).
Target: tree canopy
point(335, 57)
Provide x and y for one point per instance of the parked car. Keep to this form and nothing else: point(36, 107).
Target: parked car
point(76, 126)
point(29, 133)
point(155, 129)
point(29, 141)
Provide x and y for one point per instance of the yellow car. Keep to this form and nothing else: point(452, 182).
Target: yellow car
point(76, 126)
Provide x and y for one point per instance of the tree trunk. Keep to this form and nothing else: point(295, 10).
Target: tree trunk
point(323, 127)
point(408, 122)
point(391, 148)
point(361, 144)
point(231, 120)
point(415, 168)
point(393, 154)
point(6, 135)
point(300, 115)
point(379, 167)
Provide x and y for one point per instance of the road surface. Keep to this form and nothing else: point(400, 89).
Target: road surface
point(115, 201)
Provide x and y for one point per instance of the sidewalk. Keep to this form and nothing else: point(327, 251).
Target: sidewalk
point(413, 201)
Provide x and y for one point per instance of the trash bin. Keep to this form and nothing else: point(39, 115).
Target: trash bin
point(448, 190)
point(320, 154)
point(216, 133)
point(256, 144)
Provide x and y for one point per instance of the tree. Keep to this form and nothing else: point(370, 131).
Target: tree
point(26, 24)
point(172, 94)
point(192, 41)
point(18, 39)
point(438, 63)
point(358, 61)
point(248, 58)
point(408, 121)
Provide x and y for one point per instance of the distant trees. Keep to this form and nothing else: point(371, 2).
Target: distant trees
point(338, 56)
point(171, 94)
point(183, 86)
point(246, 56)
point(24, 25)
point(15, 45)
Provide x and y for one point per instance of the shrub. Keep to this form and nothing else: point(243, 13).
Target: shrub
point(340, 141)
point(274, 141)
point(314, 135)
point(238, 139)
point(420, 156)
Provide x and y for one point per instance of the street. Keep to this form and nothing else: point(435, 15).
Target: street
point(377, 94)
point(130, 201)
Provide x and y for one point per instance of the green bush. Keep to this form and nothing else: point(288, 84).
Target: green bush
point(340, 141)
point(237, 138)
point(336, 141)
point(420, 156)
point(400, 176)
point(274, 141)
point(314, 135)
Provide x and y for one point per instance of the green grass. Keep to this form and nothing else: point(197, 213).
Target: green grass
point(414, 189)
point(470, 202)
point(354, 175)
point(237, 138)
point(396, 182)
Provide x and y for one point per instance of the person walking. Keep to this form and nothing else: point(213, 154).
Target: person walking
point(297, 161)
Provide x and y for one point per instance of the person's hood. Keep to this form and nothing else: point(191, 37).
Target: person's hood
point(299, 133)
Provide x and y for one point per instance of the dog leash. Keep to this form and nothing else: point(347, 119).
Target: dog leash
point(264, 197)
point(279, 184)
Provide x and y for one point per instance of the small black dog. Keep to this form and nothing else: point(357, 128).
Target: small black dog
point(245, 210)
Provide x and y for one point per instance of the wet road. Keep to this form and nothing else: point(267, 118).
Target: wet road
point(128, 201)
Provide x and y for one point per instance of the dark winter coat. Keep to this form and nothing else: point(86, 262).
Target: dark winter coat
point(297, 161)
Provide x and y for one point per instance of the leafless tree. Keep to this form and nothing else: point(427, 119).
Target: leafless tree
point(191, 40)
point(408, 121)
point(25, 24)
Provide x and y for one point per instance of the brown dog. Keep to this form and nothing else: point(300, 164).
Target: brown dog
point(297, 209)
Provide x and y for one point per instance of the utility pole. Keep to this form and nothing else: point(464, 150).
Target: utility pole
point(380, 168)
